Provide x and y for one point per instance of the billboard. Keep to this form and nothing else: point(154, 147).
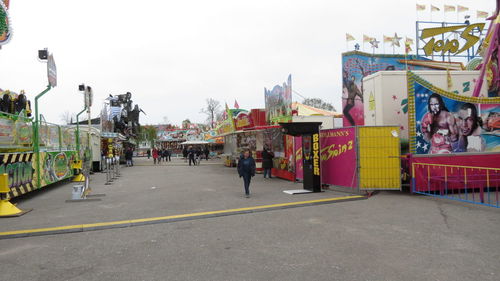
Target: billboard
point(444, 122)
point(279, 102)
point(355, 66)
point(338, 157)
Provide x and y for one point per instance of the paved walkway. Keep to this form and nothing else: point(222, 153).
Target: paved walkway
point(391, 236)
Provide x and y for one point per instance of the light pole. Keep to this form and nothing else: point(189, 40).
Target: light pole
point(43, 56)
point(88, 95)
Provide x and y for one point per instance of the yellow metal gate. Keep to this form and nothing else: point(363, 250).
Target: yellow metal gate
point(379, 164)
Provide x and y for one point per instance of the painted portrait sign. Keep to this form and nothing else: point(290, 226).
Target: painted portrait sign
point(356, 66)
point(446, 123)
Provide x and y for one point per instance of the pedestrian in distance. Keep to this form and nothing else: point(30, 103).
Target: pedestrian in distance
point(169, 155)
point(191, 153)
point(128, 157)
point(155, 155)
point(149, 153)
point(185, 154)
point(267, 162)
point(246, 170)
point(198, 155)
point(165, 154)
point(207, 152)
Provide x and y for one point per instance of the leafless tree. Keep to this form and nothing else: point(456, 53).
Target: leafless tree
point(211, 110)
point(67, 118)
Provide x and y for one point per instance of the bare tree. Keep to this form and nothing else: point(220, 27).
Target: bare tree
point(67, 118)
point(211, 111)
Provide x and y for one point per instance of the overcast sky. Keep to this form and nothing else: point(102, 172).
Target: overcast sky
point(172, 55)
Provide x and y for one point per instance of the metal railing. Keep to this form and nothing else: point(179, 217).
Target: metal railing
point(478, 185)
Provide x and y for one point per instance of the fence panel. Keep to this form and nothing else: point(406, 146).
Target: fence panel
point(379, 158)
point(478, 185)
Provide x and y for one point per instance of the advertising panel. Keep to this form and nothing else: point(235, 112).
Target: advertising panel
point(7, 136)
point(299, 164)
point(279, 102)
point(356, 66)
point(338, 157)
point(445, 122)
point(56, 166)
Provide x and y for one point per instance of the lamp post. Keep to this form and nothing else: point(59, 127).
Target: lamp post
point(43, 56)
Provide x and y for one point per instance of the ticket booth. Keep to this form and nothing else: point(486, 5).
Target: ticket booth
point(309, 131)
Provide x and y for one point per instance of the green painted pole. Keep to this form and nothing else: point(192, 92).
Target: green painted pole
point(78, 131)
point(36, 142)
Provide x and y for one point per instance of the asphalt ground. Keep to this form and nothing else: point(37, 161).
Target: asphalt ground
point(390, 236)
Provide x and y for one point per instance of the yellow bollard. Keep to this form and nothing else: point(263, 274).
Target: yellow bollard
point(7, 209)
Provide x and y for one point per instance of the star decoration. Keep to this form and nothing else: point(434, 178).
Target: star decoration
point(425, 147)
point(374, 43)
point(419, 144)
point(419, 134)
point(418, 122)
point(395, 40)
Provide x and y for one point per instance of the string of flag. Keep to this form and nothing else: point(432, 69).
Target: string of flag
point(451, 8)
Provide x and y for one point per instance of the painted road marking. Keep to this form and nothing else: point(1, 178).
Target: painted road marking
point(173, 218)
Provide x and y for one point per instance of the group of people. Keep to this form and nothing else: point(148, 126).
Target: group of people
point(160, 154)
point(195, 155)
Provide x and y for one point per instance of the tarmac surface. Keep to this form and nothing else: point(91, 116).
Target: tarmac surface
point(390, 236)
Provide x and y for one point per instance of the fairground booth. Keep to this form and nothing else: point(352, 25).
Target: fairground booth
point(443, 103)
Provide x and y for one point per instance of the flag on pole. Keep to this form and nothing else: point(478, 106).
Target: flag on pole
point(236, 105)
point(449, 8)
point(420, 7)
point(387, 39)
point(407, 47)
point(349, 37)
point(367, 39)
point(481, 14)
point(224, 115)
point(435, 9)
point(462, 8)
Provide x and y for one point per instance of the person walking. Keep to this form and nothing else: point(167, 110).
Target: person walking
point(155, 155)
point(207, 152)
point(165, 155)
point(149, 153)
point(198, 155)
point(246, 170)
point(185, 154)
point(169, 155)
point(267, 162)
point(128, 157)
point(191, 154)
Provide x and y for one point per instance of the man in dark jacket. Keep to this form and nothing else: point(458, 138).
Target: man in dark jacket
point(246, 170)
point(128, 156)
point(267, 162)
point(191, 154)
point(207, 152)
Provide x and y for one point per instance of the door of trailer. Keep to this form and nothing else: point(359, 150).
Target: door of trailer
point(379, 164)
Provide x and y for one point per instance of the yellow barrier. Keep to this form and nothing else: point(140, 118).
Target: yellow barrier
point(7, 209)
